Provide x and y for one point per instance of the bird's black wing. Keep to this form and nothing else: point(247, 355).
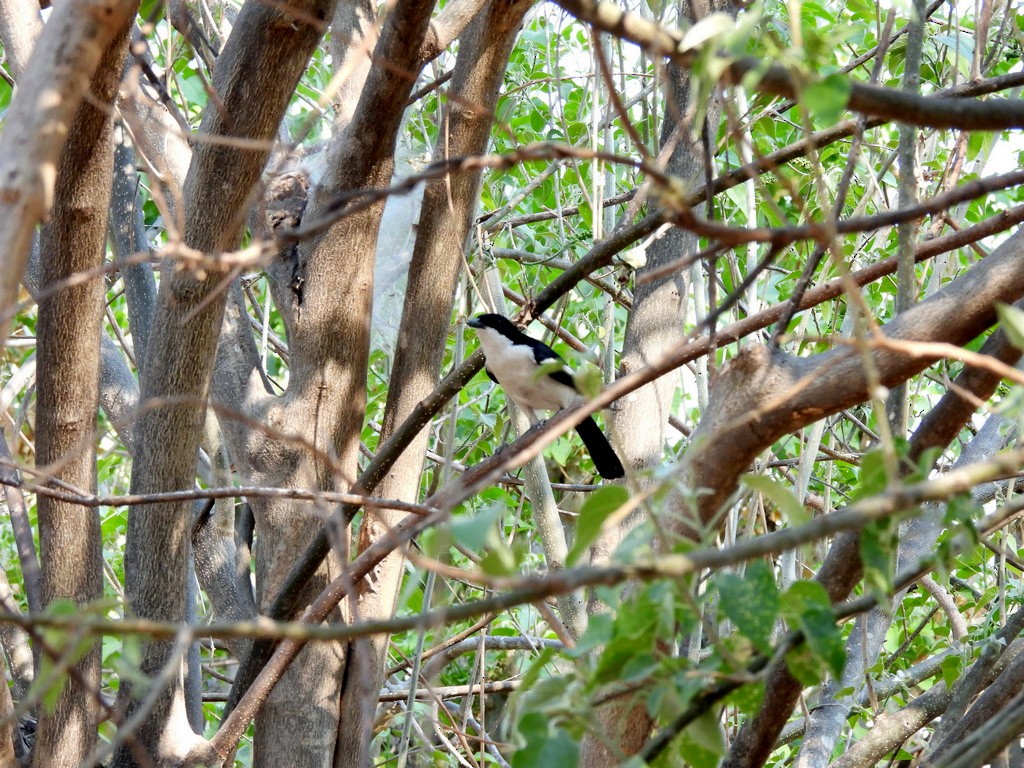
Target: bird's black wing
point(490, 375)
point(542, 354)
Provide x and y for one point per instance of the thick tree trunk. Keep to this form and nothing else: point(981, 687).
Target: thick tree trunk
point(69, 329)
point(268, 52)
point(9, 728)
point(656, 323)
point(327, 310)
point(445, 218)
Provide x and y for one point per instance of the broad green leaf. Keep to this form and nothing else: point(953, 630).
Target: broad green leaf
point(827, 98)
point(873, 478)
point(474, 531)
point(1012, 320)
point(878, 542)
point(711, 26)
point(547, 692)
point(598, 632)
point(952, 668)
point(639, 667)
point(702, 744)
point(545, 747)
point(751, 602)
point(534, 672)
point(748, 697)
point(781, 496)
point(804, 665)
point(499, 560)
point(806, 605)
point(595, 511)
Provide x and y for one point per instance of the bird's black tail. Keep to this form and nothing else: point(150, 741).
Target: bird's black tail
point(601, 451)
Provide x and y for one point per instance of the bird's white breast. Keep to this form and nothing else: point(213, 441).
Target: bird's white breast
point(515, 368)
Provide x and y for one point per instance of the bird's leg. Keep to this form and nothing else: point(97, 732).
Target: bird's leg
point(531, 415)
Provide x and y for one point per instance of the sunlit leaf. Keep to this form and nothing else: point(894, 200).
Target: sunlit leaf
point(1012, 320)
point(708, 28)
point(781, 496)
point(827, 98)
point(599, 505)
point(751, 602)
point(806, 605)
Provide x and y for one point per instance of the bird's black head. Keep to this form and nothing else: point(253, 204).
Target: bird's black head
point(499, 323)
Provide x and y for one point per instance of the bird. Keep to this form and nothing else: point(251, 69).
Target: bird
point(535, 377)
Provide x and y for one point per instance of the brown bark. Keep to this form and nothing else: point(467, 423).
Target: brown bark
point(445, 219)
point(353, 38)
point(656, 323)
point(326, 306)
point(69, 328)
point(265, 55)
point(36, 125)
point(762, 395)
point(10, 725)
point(958, 313)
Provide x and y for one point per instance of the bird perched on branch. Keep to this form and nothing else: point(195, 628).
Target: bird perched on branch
point(535, 377)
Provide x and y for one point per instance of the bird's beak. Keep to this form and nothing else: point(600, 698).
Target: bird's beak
point(474, 323)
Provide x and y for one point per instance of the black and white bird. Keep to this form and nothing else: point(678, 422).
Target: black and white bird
point(523, 367)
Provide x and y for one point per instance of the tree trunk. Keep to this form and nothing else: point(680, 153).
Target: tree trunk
point(445, 218)
point(656, 323)
point(327, 308)
point(69, 329)
point(268, 51)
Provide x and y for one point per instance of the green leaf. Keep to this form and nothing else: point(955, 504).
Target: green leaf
point(804, 665)
point(596, 510)
point(499, 561)
point(599, 631)
point(534, 671)
point(639, 667)
point(711, 26)
point(873, 477)
point(827, 98)
point(588, 380)
point(702, 744)
point(1012, 320)
point(547, 692)
point(878, 542)
point(473, 532)
point(806, 605)
point(952, 668)
point(747, 698)
point(781, 496)
point(751, 602)
point(544, 747)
